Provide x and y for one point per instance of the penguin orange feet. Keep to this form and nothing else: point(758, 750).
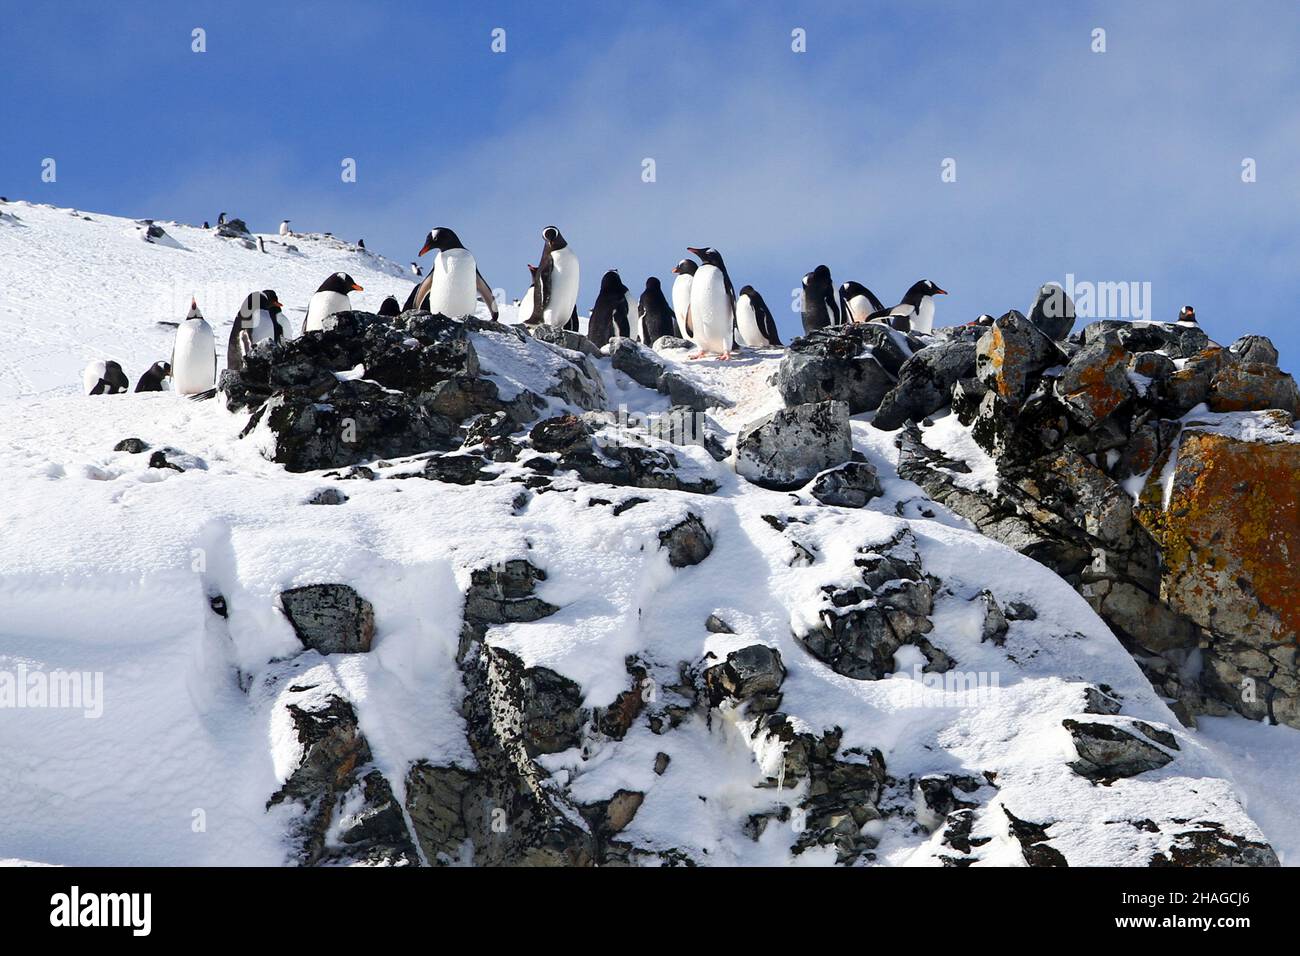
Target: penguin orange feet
point(724, 357)
point(697, 355)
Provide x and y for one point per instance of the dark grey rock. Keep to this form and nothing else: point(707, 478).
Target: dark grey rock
point(639, 363)
point(684, 390)
point(688, 542)
point(132, 446)
point(1012, 355)
point(843, 363)
point(925, 383)
point(752, 674)
point(1109, 751)
point(716, 625)
point(1255, 349)
point(850, 485)
point(330, 618)
point(787, 448)
point(327, 496)
point(573, 341)
point(1053, 312)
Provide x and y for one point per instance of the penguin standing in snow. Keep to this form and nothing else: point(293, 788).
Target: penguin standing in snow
point(657, 319)
point(555, 282)
point(152, 380)
point(754, 322)
point(254, 324)
point(284, 228)
point(194, 356)
point(712, 313)
point(857, 302)
point(104, 378)
point(684, 272)
point(609, 314)
point(449, 288)
point(389, 307)
point(330, 298)
point(916, 312)
point(819, 308)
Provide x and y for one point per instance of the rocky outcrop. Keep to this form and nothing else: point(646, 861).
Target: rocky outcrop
point(856, 364)
point(1108, 751)
point(787, 448)
point(850, 485)
point(688, 542)
point(330, 618)
point(925, 383)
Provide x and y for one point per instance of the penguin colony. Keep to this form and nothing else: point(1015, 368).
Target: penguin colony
point(702, 306)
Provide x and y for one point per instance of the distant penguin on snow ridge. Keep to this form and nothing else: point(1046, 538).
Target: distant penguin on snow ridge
point(254, 324)
point(609, 314)
point(754, 320)
point(194, 356)
point(1187, 316)
point(857, 302)
point(657, 319)
point(712, 313)
point(685, 273)
point(329, 299)
point(104, 378)
point(819, 307)
point(450, 287)
point(555, 282)
point(284, 228)
point(152, 380)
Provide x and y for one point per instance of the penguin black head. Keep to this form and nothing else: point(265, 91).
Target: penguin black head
point(707, 255)
point(1187, 314)
point(612, 283)
point(920, 290)
point(390, 307)
point(553, 238)
point(442, 239)
point(686, 267)
point(652, 283)
point(340, 282)
point(820, 276)
point(747, 291)
point(273, 304)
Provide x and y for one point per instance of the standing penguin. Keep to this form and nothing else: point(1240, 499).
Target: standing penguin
point(284, 228)
point(857, 302)
point(416, 270)
point(657, 319)
point(389, 307)
point(556, 280)
point(525, 310)
point(609, 314)
point(712, 313)
point(152, 380)
point(916, 312)
point(104, 378)
point(452, 282)
point(254, 323)
point(330, 298)
point(1187, 317)
point(278, 319)
point(754, 320)
point(685, 273)
point(819, 308)
point(194, 356)
point(634, 317)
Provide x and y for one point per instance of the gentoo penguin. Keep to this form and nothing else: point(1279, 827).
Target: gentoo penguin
point(819, 308)
point(104, 378)
point(450, 286)
point(526, 311)
point(712, 313)
point(916, 312)
point(152, 380)
point(1187, 316)
point(361, 244)
point(254, 323)
point(416, 270)
point(284, 228)
point(657, 319)
point(634, 317)
point(261, 245)
point(556, 280)
point(857, 302)
point(389, 307)
point(194, 356)
point(684, 272)
point(609, 314)
point(278, 318)
point(221, 220)
point(331, 297)
point(754, 320)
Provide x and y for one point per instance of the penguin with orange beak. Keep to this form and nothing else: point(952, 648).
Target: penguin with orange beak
point(329, 299)
point(453, 281)
point(254, 323)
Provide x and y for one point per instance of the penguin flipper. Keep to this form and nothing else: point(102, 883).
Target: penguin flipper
point(410, 299)
point(485, 291)
point(767, 325)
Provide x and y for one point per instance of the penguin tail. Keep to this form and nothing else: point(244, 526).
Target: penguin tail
point(202, 396)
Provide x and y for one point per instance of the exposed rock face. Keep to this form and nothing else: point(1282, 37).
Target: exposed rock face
point(1109, 751)
point(688, 542)
point(925, 383)
point(1012, 354)
point(1253, 385)
point(787, 448)
point(850, 485)
point(330, 618)
point(1053, 312)
point(751, 675)
point(1095, 382)
point(369, 387)
point(855, 364)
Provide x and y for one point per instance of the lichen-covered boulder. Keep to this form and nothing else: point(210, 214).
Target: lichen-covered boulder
point(1095, 382)
point(1251, 386)
point(787, 448)
point(1012, 354)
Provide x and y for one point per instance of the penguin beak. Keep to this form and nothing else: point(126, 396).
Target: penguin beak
point(277, 304)
point(940, 292)
point(357, 288)
point(693, 251)
point(425, 248)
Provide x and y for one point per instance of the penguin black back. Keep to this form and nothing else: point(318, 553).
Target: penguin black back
point(819, 307)
point(763, 315)
point(657, 318)
point(609, 314)
point(389, 307)
point(152, 379)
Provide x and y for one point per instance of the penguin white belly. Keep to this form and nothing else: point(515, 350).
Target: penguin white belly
point(91, 377)
point(323, 305)
point(711, 310)
point(859, 308)
point(454, 288)
point(747, 325)
point(261, 327)
point(526, 305)
point(923, 318)
point(682, 299)
point(634, 317)
point(194, 362)
point(563, 288)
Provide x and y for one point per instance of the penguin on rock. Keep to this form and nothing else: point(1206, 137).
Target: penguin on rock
point(819, 306)
point(555, 281)
point(609, 314)
point(857, 302)
point(684, 274)
point(329, 299)
point(657, 319)
point(450, 287)
point(916, 312)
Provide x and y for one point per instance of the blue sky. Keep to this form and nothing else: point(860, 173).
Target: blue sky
point(1123, 166)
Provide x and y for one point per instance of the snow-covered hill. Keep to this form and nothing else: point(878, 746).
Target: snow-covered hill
point(607, 692)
